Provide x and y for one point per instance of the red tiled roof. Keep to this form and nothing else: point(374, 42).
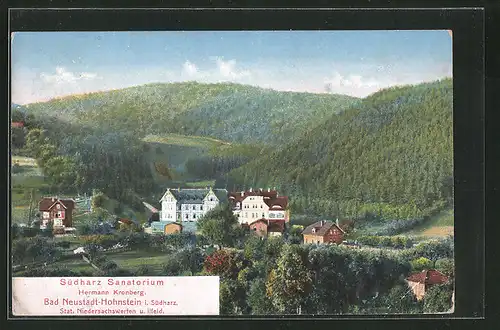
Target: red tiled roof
point(430, 276)
point(320, 228)
point(237, 196)
point(281, 201)
point(46, 203)
point(17, 124)
point(258, 220)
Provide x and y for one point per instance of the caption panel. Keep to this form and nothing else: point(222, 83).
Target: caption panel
point(105, 296)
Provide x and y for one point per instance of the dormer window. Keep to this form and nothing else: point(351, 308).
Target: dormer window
point(313, 230)
point(58, 206)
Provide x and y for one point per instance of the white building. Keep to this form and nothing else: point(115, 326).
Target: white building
point(189, 204)
point(251, 205)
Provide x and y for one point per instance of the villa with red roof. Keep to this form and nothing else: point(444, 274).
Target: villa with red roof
point(59, 211)
point(421, 282)
point(260, 208)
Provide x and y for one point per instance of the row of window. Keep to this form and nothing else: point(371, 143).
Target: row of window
point(254, 206)
point(187, 207)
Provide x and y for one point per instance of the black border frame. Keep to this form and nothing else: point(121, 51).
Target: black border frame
point(468, 72)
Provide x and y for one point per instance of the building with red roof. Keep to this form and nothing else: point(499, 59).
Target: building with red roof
point(252, 205)
point(59, 211)
point(420, 282)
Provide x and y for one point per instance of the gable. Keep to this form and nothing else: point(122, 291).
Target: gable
point(167, 193)
point(210, 194)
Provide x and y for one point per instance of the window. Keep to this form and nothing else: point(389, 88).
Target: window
point(263, 215)
point(59, 214)
point(194, 216)
point(318, 242)
point(187, 216)
point(194, 207)
point(58, 206)
point(261, 206)
point(254, 229)
point(211, 199)
point(201, 207)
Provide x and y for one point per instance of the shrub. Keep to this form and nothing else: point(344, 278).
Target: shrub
point(109, 265)
point(446, 266)
point(438, 299)
point(63, 244)
point(172, 267)
point(106, 241)
point(16, 168)
point(421, 264)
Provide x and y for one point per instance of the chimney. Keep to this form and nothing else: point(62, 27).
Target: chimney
point(242, 193)
point(322, 223)
point(337, 222)
point(268, 189)
point(178, 188)
point(250, 189)
point(53, 199)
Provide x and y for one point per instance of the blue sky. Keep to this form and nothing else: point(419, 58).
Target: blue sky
point(52, 64)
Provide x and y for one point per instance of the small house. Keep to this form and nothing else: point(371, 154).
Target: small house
point(57, 211)
point(266, 227)
point(323, 232)
point(164, 227)
point(421, 282)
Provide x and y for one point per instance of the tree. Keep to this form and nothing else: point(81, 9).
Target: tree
point(257, 299)
point(438, 299)
point(225, 263)
point(290, 282)
point(232, 297)
point(219, 226)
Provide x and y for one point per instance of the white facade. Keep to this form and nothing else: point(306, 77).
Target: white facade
point(173, 209)
point(254, 207)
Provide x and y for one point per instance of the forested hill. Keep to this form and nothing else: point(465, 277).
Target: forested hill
point(395, 147)
point(231, 112)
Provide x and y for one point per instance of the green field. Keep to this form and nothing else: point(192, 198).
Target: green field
point(132, 260)
point(441, 224)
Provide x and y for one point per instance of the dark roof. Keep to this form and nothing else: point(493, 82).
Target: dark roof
point(430, 276)
point(196, 196)
point(46, 203)
point(320, 227)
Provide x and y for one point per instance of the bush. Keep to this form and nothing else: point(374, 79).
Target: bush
point(16, 168)
point(109, 265)
point(171, 267)
point(63, 244)
point(421, 264)
point(106, 241)
point(397, 242)
point(438, 299)
point(446, 266)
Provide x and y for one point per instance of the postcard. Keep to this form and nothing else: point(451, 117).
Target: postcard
point(232, 173)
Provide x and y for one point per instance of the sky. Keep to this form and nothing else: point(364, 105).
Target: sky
point(46, 65)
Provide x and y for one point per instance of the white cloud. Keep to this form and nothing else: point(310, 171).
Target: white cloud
point(64, 76)
point(190, 68)
point(353, 84)
point(227, 69)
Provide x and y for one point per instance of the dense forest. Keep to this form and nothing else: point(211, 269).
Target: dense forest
point(231, 112)
point(370, 158)
point(76, 158)
point(391, 156)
